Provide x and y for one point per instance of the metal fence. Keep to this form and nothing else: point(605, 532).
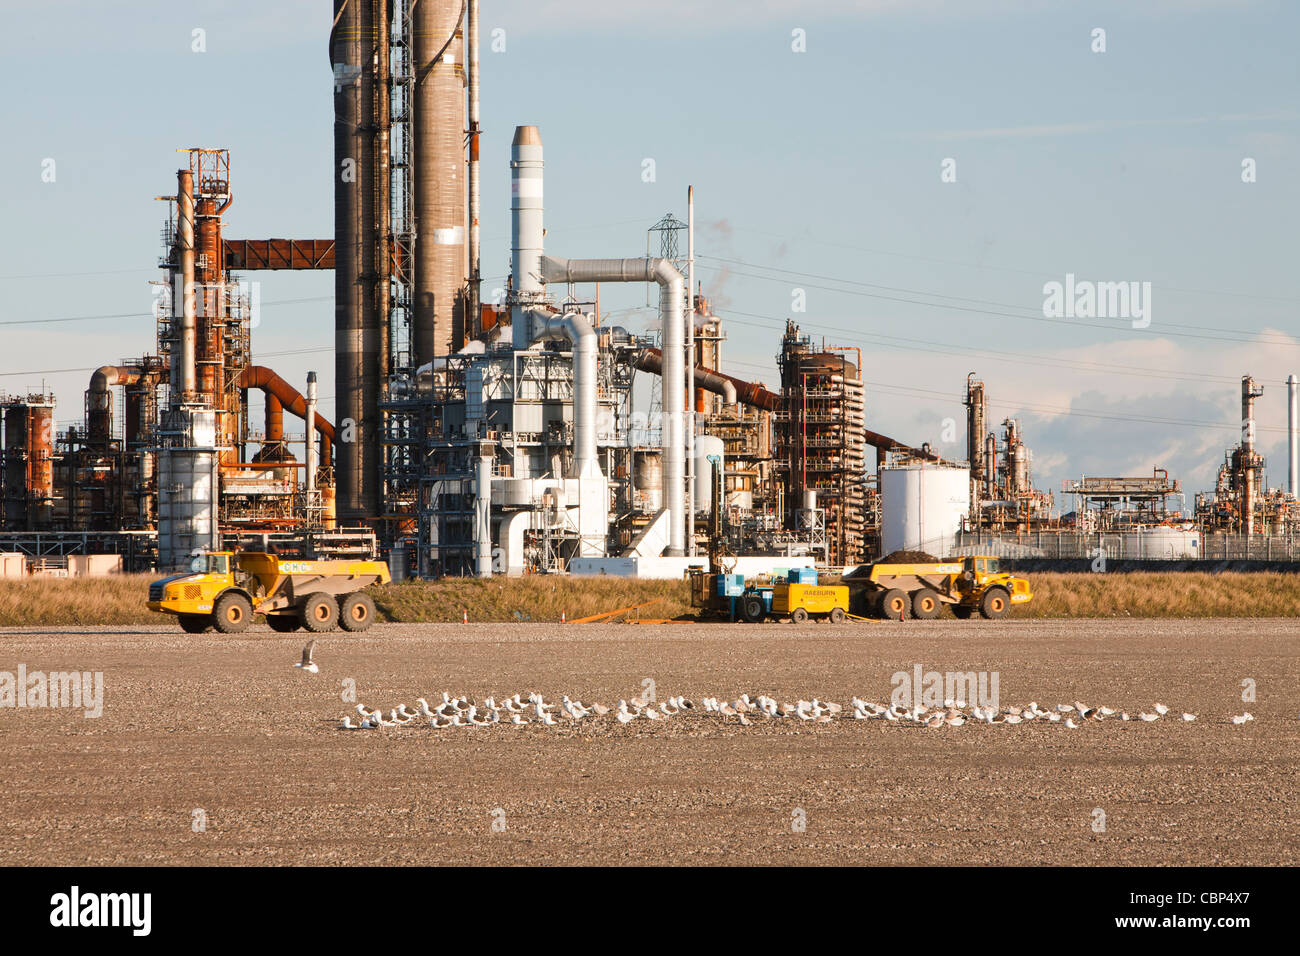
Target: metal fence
point(1132, 545)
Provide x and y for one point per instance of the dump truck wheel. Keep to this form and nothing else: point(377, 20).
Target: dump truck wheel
point(195, 623)
point(318, 612)
point(895, 603)
point(837, 615)
point(962, 612)
point(925, 604)
point(798, 615)
point(232, 613)
point(995, 603)
point(753, 610)
point(283, 623)
point(356, 611)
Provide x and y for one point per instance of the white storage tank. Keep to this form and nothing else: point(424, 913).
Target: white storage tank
point(922, 506)
point(707, 446)
point(1158, 544)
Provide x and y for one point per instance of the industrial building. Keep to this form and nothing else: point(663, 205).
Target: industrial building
point(476, 439)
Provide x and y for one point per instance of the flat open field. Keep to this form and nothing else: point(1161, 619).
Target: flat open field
point(229, 727)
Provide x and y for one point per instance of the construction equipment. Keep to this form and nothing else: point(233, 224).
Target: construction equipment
point(920, 590)
point(800, 597)
point(224, 589)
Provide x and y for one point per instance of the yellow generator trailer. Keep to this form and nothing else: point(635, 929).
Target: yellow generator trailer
point(225, 589)
point(800, 597)
point(967, 585)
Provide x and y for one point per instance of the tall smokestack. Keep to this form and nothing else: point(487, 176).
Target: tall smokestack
point(1293, 437)
point(525, 228)
point(357, 341)
point(183, 375)
point(438, 158)
point(475, 275)
point(1249, 460)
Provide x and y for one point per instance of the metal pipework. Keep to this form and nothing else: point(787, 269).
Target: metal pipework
point(483, 512)
point(577, 328)
point(673, 439)
point(1293, 437)
point(652, 361)
point(292, 401)
point(183, 359)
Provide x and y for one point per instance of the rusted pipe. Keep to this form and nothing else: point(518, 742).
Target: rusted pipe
point(731, 389)
point(290, 399)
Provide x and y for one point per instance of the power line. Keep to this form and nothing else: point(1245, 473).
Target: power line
point(141, 315)
point(1165, 328)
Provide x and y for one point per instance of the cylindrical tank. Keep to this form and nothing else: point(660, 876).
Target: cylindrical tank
point(440, 191)
point(706, 447)
point(922, 506)
point(648, 479)
point(187, 490)
point(1160, 544)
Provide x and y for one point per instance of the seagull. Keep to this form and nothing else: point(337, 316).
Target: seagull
point(348, 725)
point(423, 707)
point(1243, 718)
point(307, 664)
point(1148, 717)
point(1069, 722)
point(1063, 708)
point(1189, 717)
point(1161, 709)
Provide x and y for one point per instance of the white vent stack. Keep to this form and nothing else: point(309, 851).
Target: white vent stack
point(1293, 437)
point(530, 270)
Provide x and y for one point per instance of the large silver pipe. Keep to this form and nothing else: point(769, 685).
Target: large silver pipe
point(578, 330)
point(674, 376)
point(525, 229)
point(183, 373)
point(690, 370)
point(1293, 436)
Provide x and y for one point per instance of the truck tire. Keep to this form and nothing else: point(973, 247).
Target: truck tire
point(798, 616)
point(285, 623)
point(752, 610)
point(195, 623)
point(232, 613)
point(925, 604)
point(356, 611)
point(837, 615)
point(318, 612)
point(962, 612)
point(995, 603)
point(895, 604)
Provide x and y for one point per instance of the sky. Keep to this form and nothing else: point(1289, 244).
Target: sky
point(903, 177)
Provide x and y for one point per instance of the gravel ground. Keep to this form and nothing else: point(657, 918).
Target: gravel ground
point(228, 727)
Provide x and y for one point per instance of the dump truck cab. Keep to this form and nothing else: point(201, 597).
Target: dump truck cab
point(224, 589)
point(983, 582)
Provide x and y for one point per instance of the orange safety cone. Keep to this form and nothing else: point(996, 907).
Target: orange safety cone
point(562, 617)
point(464, 617)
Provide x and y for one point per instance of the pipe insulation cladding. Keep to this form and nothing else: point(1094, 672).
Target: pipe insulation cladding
point(525, 229)
point(183, 374)
point(578, 330)
point(671, 308)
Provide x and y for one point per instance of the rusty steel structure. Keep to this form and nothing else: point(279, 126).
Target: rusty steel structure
point(27, 461)
point(821, 441)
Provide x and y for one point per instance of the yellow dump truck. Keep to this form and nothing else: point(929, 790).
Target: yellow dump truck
point(224, 589)
point(967, 585)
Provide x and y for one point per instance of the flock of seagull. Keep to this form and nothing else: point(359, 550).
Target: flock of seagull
point(532, 708)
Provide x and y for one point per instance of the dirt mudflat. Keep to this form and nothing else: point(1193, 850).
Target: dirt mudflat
point(216, 750)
